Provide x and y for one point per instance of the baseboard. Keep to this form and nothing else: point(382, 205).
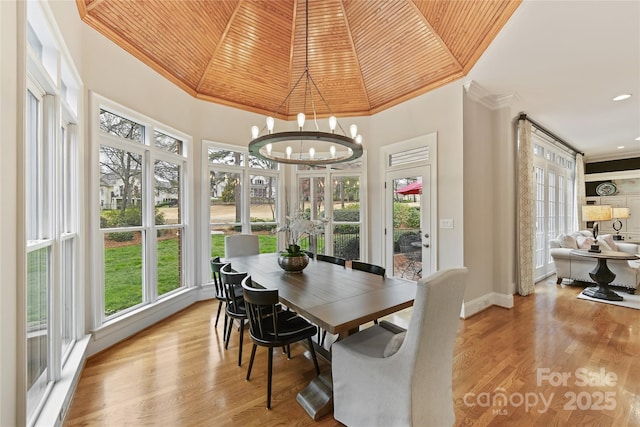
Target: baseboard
point(475, 306)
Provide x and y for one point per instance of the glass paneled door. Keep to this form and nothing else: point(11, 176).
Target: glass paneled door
point(408, 229)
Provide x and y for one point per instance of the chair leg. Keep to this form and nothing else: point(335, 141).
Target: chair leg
point(228, 337)
point(269, 372)
point(241, 336)
point(218, 315)
point(253, 355)
point(313, 356)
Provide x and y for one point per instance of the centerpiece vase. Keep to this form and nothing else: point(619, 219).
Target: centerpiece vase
point(293, 264)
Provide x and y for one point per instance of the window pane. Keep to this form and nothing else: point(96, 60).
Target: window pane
point(120, 188)
point(122, 271)
point(169, 260)
point(68, 282)
point(311, 191)
point(257, 163)
point(225, 157)
point(346, 198)
point(38, 280)
point(167, 193)
point(33, 153)
point(168, 143)
point(262, 193)
point(226, 198)
point(346, 241)
point(119, 126)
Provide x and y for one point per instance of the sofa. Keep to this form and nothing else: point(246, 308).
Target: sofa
point(577, 268)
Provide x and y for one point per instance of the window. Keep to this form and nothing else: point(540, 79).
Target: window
point(244, 196)
point(343, 213)
point(554, 199)
point(141, 198)
point(51, 213)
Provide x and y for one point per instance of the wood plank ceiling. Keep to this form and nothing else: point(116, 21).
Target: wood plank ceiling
point(363, 55)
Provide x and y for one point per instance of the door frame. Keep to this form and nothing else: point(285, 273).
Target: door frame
point(428, 168)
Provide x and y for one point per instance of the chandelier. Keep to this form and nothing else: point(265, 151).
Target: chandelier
point(306, 147)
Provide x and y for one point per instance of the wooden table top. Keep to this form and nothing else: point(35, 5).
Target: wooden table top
point(336, 298)
point(604, 254)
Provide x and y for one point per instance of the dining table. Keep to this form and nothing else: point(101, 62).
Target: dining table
point(335, 298)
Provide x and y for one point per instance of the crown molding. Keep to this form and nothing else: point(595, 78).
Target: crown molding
point(481, 95)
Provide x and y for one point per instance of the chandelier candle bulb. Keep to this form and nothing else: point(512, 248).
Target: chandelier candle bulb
point(359, 139)
point(312, 152)
point(354, 130)
point(269, 147)
point(301, 118)
point(332, 124)
point(270, 123)
point(332, 150)
point(255, 131)
point(289, 150)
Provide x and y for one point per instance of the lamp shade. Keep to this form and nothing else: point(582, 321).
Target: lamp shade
point(620, 213)
point(596, 213)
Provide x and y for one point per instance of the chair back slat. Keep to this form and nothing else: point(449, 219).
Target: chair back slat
point(232, 280)
point(369, 268)
point(332, 259)
point(216, 266)
point(261, 305)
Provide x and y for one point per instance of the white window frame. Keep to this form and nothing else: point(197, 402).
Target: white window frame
point(245, 171)
point(149, 153)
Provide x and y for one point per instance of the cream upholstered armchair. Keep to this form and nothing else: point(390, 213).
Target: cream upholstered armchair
point(381, 378)
point(241, 244)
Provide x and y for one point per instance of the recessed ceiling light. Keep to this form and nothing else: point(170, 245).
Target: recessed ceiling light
point(620, 147)
point(638, 138)
point(623, 96)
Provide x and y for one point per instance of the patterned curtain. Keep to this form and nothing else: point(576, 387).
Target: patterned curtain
point(526, 209)
point(581, 196)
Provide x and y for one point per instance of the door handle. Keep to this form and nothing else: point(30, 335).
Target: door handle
point(426, 245)
point(426, 235)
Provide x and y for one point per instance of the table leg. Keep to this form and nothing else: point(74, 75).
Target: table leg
point(602, 276)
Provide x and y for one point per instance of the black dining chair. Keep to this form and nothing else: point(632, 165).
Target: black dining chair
point(216, 265)
point(235, 308)
point(271, 327)
point(332, 259)
point(369, 268)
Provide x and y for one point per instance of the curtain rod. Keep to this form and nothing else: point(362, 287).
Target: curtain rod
point(550, 134)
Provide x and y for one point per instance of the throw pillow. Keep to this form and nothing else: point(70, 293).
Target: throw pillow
point(608, 238)
point(567, 241)
point(394, 344)
point(585, 242)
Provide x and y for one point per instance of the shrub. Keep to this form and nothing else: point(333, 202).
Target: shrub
point(122, 236)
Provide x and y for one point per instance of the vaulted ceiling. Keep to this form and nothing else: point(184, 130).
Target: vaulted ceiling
point(363, 55)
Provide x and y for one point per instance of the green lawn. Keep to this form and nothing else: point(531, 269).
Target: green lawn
point(123, 270)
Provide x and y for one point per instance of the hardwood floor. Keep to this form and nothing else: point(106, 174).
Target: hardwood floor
point(178, 373)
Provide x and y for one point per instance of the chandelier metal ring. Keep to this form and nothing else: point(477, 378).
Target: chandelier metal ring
point(258, 147)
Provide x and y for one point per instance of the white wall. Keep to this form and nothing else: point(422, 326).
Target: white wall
point(489, 203)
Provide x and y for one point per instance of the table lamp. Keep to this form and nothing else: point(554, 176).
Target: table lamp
point(596, 213)
point(618, 214)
